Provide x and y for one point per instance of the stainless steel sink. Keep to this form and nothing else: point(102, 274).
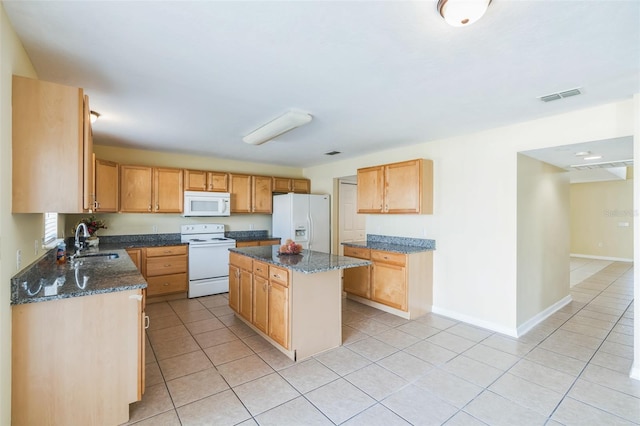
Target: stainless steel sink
point(98, 255)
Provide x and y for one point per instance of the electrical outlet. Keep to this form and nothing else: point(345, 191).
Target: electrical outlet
point(18, 259)
point(154, 229)
point(600, 244)
point(36, 247)
point(251, 226)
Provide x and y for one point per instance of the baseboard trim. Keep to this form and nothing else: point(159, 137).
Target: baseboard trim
point(541, 316)
point(512, 332)
point(635, 371)
point(612, 259)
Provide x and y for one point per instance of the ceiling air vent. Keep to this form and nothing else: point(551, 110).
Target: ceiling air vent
point(332, 153)
point(560, 95)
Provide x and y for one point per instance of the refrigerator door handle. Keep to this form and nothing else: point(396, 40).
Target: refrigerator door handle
point(310, 227)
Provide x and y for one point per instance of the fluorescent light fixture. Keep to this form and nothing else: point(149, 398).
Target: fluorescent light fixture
point(275, 128)
point(582, 153)
point(593, 157)
point(461, 13)
point(94, 116)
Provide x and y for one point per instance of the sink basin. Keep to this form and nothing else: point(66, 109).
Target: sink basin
point(98, 255)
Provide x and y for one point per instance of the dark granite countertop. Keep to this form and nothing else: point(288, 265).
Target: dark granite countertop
point(308, 262)
point(394, 244)
point(253, 235)
point(45, 280)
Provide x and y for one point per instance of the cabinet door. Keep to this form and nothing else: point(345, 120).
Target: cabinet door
point(135, 189)
point(278, 308)
point(389, 280)
point(281, 184)
point(260, 302)
point(246, 295)
point(240, 189)
point(48, 129)
point(168, 191)
point(357, 280)
point(136, 257)
point(403, 187)
point(217, 181)
point(370, 189)
point(195, 180)
point(262, 194)
point(88, 184)
point(301, 186)
point(107, 195)
point(234, 288)
point(246, 243)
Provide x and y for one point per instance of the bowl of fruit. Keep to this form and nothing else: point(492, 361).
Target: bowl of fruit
point(290, 248)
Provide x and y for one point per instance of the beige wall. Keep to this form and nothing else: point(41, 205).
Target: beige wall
point(543, 241)
point(17, 232)
point(475, 206)
point(134, 223)
point(597, 210)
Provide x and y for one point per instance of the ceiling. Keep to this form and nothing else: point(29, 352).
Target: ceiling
point(195, 77)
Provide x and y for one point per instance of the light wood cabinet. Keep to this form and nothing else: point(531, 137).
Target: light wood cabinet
point(51, 129)
point(297, 185)
point(200, 180)
point(400, 188)
point(261, 295)
point(399, 283)
point(254, 243)
point(165, 269)
point(106, 186)
point(85, 366)
point(357, 280)
point(168, 190)
point(389, 279)
point(241, 292)
point(148, 189)
point(136, 257)
point(278, 306)
point(136, 185)
point(251, 194)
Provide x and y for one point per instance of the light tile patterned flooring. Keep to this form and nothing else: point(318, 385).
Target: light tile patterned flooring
point(204, 367)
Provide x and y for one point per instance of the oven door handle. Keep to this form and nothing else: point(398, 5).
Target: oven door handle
point(196, 246)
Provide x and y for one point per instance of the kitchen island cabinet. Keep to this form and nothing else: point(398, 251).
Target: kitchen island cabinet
point(297, 304)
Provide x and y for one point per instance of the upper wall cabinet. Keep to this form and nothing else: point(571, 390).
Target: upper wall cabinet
point(52, 148)
point(400, 188)
point(151, 190)
point(106, 181)
point(200, 180)
point(285, 185)
point(251, 194)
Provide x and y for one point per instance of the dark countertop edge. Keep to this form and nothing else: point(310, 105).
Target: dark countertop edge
point(360, 262)
point(80, 294)
point(394, 248)
point(245, 239)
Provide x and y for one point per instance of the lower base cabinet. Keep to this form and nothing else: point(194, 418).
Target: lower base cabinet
point(77, 361)
point(398, 283)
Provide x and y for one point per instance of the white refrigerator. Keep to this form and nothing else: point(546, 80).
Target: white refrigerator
point(304, 218)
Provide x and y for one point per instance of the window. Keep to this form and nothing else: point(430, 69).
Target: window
point(50, 228)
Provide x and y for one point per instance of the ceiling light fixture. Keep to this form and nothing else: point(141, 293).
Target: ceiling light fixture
point(461, 13)
point(275, 128)
point(582, 153)
point(94, 116)
point(593, 157)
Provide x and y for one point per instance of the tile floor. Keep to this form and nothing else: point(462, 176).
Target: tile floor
point(204, 367)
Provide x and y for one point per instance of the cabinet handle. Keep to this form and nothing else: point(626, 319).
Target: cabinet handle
point(149, 208)
point(264, 287)
point(138, 297)
point(147, 321)
point(166, 284)
point(157, 206)
point(166, 265)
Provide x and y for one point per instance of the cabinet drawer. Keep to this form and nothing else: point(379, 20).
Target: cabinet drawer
point(360, 253)
point(246, 243)
point(260, 269)
point(389, 257)
point(165, 284)
point(242, 262)
point(279, 275)
point(166, 265)
point(166, 251)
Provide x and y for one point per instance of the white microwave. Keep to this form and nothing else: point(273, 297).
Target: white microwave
point(200, 203)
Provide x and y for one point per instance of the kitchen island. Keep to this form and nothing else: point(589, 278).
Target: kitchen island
point(293, 301)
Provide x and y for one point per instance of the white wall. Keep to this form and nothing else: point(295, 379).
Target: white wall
point(635, 370)
point(475, 206)
point(16, 231)
point(543, 241)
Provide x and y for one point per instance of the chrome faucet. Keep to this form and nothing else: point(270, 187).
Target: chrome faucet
point(85, 234)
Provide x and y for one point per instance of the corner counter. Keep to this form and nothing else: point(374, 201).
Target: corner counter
point(293, 301)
